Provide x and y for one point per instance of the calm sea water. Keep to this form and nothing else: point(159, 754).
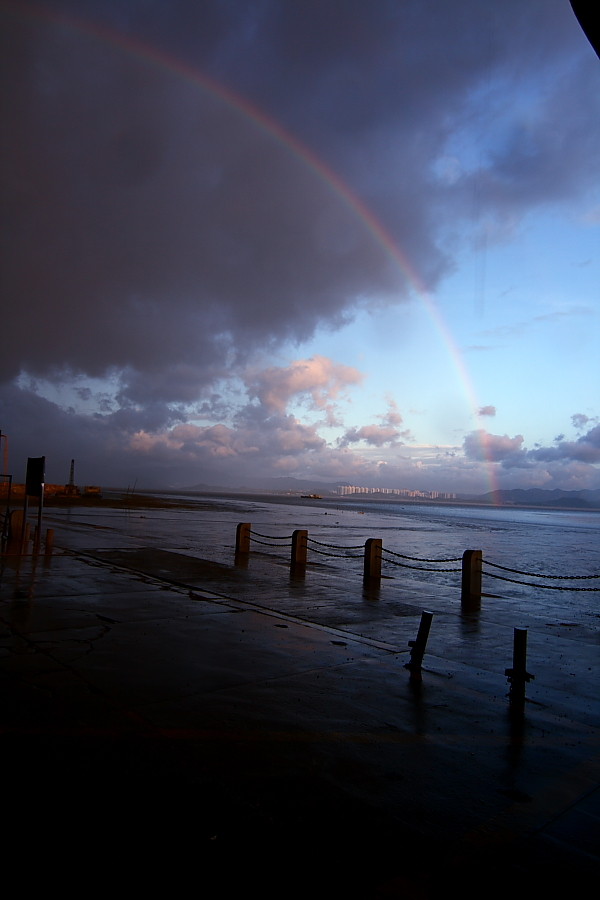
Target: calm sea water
point(548, 542)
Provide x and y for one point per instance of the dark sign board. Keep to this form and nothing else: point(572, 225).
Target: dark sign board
point(35, 478)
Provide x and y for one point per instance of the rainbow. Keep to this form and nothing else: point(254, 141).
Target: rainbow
point(242, 106)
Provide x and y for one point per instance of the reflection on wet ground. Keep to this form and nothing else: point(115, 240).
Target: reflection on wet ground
point(143, 670)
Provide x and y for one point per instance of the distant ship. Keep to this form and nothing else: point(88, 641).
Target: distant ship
point(311, 497)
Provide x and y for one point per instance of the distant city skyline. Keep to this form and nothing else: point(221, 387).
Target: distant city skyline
point(345, 489)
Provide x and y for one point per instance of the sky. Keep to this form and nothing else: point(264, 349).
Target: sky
point(347, 241)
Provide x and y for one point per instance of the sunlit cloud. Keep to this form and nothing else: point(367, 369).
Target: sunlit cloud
point(318, 381)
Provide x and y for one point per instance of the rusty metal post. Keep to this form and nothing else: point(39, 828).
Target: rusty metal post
point(242, 538)
point(299, 547)
point(418, 646)
point(471, 580)
point(518, 676)
point(372, 563)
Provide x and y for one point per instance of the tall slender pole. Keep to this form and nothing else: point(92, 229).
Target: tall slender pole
point(38, 536)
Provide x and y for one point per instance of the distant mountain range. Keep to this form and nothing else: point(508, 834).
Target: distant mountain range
point(586, 499)
point(540, 497)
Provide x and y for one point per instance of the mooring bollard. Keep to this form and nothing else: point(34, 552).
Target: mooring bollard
point(242, 538)
point(418, 647)
point(372, 564)
point(518, 676)
point(299, 548)
point(470, 596)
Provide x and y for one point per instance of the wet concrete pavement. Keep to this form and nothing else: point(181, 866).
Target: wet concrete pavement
point(257, 731)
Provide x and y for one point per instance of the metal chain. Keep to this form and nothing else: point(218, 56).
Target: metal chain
point(337, 555)
point(266, 544)
point(538, 574)
point(392, 562)
point(546, 587)
point(334, 546)
point(422, 559)
point(271, 537)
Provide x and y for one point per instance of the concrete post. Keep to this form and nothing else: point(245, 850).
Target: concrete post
point(299, 547)
point(242, 538)
point(372, 563)
point(418, 647)
point(471, 580)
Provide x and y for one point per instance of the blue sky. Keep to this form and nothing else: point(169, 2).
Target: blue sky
point(342, 241)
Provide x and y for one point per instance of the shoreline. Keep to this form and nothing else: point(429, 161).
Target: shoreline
point(164, 499)
point(347, 502)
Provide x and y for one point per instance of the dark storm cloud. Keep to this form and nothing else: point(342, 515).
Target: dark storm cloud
point(193, 241)
point(152, 227)
point(151, 223)
point(40, 428)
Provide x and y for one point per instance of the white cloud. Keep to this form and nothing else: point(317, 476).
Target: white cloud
point(481, 445)
point(318, 380)
point(376, 435)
